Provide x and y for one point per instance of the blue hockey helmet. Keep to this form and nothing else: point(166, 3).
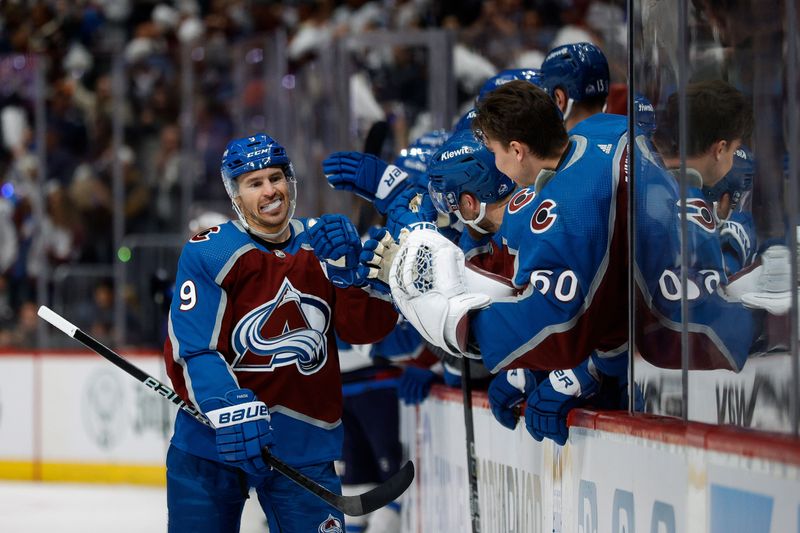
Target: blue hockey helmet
point(465, 122)
point(737, 182)
point(580, 69)
point(528, 74)
point(414, 159)
point(464, 164)
point(254, 153)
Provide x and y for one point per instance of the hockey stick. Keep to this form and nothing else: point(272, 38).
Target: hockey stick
point(472, 466)
point(357, 505)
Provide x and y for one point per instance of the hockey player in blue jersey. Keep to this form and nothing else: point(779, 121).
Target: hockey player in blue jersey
point(251, 344)
point(721, 329)
point(465, 181)
point(567, 277)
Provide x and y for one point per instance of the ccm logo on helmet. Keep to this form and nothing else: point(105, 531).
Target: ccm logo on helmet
point(543, 217)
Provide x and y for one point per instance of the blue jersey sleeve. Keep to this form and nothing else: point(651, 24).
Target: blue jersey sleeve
point(738, 240)
point(196, 313)
point(555, 288)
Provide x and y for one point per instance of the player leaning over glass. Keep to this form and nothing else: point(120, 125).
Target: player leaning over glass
point(570, 207)
point(252, 325)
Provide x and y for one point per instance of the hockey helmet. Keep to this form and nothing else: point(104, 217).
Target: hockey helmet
point(580, 69)
point(255, 153)
point(464, 164)
point(528, 74)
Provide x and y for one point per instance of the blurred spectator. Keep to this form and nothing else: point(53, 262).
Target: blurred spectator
point(77, 43)
point(91, 199)
point(23, 334)
point(166, 176)
point(96, 315)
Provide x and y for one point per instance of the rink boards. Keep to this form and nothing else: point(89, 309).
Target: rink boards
point(616, 474)
point(74, 416)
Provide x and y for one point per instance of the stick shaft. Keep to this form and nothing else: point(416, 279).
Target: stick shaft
point(472, 466)
point(351, 505)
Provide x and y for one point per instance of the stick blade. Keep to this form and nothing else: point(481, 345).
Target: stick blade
point(380, 496)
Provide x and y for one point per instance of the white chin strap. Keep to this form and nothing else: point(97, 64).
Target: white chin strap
point(474, 223)
point(568, 110)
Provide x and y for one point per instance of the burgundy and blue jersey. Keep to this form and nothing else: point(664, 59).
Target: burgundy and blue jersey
point(248, 314)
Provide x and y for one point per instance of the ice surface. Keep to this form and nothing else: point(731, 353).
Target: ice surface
point(27, 507)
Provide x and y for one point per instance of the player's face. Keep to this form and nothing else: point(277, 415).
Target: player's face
point(494, 214)
point(264, 199)
point(505, 158)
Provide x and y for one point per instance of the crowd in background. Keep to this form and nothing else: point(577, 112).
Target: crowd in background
point(78, 43)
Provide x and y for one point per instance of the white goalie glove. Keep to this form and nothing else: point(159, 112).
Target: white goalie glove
point(382, 250)
point(767, 285)
point(428, 283)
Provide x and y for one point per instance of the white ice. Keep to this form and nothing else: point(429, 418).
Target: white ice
point(93, 508)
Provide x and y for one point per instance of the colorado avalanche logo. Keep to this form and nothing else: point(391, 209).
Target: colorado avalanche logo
point(697, 211)
point(520, 200)
point(205, 234)
point(330, 525)
point(543, 217)
point(288, 330)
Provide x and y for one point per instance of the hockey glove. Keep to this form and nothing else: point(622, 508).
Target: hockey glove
point(411, 206)
point(772, 285)
point(428, 286)
point(507, 390)
point(376, 258)
point(336, 243)
point(550, 402)
point(366, 176)
point(243, 430)
point(737, 247)
point(415, 384)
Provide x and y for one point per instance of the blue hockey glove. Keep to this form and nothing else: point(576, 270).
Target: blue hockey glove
point(411, 206)
point(366, 176)
point(335, 241)
point(736, 242)
point(549, 403)
point(415, 384)
point(507, 390)
point(374, 259)
point(243, 430)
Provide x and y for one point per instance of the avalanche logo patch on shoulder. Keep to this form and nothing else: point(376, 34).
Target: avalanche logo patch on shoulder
point(544, 216)
point(288, 330)
point(205, 234)
point(520, 200)
point(330, 525)
point(698, 211)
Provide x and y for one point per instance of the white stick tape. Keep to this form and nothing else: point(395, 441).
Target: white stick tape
point(57, 320)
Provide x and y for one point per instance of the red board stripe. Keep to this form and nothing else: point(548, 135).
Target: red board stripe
point(733, 440)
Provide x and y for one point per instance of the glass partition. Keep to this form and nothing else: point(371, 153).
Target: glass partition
point(715, 236)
